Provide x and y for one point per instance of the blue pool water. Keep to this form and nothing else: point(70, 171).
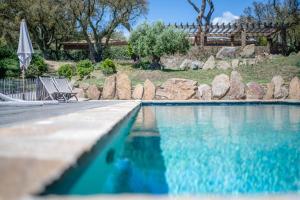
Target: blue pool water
point(206, 149)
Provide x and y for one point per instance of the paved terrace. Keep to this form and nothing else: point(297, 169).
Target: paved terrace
point(38, 143)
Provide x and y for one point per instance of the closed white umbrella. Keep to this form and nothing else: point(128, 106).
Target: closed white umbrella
point(25, 51)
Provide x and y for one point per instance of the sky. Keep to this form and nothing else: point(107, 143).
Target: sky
point(180, 11)
point(177, 11)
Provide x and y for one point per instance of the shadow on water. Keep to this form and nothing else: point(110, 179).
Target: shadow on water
point(128, 160)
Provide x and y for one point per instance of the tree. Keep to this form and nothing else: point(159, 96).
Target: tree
point(280, 12)
point(204, 17)
point(47, 21)
point(98, 19)
point(157, 40)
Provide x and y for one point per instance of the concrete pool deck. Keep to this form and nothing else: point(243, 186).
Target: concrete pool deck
point(37, 149)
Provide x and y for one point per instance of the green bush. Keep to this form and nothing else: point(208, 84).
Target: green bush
point(66, 70)
point(108, 67)
point(117, 52)
point(9, 63)
point(9, 68)
point(84, 68)
point(37, 67)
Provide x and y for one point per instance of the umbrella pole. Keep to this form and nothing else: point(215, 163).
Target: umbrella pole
point(23, 77)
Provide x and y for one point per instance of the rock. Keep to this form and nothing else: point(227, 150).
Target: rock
point(172, 62)
point(227, 52)
point(235, 63)
point(177, 89)
point(279, 90)
point(138, 92)
point(270, 91)
point(210, 63)
point(186, 64)
point(84, 86)
point(123, 87)
point(237, 87)
point(93, 92)
point(204, 92)
point(223, 65)
point(109, 88)
point(149, 90)
point(248, 51)
point(197, 65)
point(254, 91)
point(220, 86)
point(190, 64)
point(79, 93)
point(294, 89)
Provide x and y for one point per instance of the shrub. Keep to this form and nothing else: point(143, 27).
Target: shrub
point(9, 63)
point(298, 64)
point(37, 67)
point(9, 68)
point(66, 70)
point(117, 52)
point(84, 68)
point(108, 67)
point(157, 40)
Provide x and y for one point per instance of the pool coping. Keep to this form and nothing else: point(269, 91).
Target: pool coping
point(115, 115)
point(34, 154)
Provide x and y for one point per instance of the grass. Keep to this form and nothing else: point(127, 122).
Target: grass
point(287, 67)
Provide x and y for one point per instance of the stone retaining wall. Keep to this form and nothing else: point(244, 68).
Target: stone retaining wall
point(222, 87)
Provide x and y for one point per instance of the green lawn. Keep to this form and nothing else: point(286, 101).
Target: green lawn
point(287, 67)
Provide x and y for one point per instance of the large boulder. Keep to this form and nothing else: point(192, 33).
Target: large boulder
point(254, 91)
point(204, 92)
point(123, 87)
point(109, 88)
point(177, 89)
point(280, 91)
point(210, 63)
point(93, 92)
point(223, 65)
point(294, 89)
point(79, 93)
point(237, 87)
point(248, 51)
point(220, 86)
point(191, 64)
point(149, 90)
point(138, 92)
point(270, 91)
point(235, 63)
point(227, 52)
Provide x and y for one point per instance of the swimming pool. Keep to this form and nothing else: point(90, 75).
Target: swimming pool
point(193, 150)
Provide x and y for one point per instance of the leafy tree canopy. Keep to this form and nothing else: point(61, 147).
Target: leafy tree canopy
point(156, 40)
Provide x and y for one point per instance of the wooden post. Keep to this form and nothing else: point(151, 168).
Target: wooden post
point(232, 40)
point(243, 38)
point(269, 44)
point(202, 39)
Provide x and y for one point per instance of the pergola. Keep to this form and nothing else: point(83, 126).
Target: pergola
point(232, 34)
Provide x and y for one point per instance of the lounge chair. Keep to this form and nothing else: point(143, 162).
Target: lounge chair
point(52, 91)
point(63, 86)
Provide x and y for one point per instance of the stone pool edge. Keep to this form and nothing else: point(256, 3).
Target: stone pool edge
point(45, 148)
